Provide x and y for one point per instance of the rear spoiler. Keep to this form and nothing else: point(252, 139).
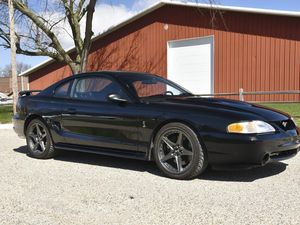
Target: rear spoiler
point(27, 93)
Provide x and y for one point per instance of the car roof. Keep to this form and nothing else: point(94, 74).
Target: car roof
point(112, 73)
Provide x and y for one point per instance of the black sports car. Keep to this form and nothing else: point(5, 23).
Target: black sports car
point(142, 116)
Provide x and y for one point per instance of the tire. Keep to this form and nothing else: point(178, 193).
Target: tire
point(178, 152)
point(39, 141)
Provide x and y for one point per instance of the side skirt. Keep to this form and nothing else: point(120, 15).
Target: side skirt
point(103, 151)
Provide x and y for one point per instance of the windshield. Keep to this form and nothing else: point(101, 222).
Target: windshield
point(145, 85)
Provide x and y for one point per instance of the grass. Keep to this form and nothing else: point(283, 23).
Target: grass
point(6, 113)
point(291, 108)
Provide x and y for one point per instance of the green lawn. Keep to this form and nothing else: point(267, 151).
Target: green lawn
point(291, 108)
point(6, 113)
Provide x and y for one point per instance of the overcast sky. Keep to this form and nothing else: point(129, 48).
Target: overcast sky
point(111, 12)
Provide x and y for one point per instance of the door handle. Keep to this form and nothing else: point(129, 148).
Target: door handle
point(71, 111)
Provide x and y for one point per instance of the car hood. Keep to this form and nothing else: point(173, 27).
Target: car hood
point(244, 109)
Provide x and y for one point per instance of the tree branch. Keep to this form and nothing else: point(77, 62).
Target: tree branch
point(88, 34)
point(40, 53)
point(34, 18)
point(38, 37)
point(75, 26)
point(79, 7)
point(80, 10)
point(4, 36)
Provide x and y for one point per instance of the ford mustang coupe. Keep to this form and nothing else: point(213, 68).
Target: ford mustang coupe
point(143, 116)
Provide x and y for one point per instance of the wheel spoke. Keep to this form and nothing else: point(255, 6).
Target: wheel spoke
point(169, 143)
point(179, 139)
point(186, 152)
point(35, 146)
point(41, 143)
point(178, 163)
point(33, 137)
point(167, 157)
point(38, 130)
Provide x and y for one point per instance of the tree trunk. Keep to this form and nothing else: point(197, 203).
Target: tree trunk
point(75, 67)
point(13, 55)
point(88, 35)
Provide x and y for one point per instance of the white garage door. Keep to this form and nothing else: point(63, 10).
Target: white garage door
point(190, 64)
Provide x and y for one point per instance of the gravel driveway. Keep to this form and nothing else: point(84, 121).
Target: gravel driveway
point(77, 188)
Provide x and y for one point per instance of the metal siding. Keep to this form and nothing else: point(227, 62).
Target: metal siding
point(53, 73)
point(252, 51)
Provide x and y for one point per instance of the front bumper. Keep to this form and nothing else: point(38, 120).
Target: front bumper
point(18, 125)
point(251, 150)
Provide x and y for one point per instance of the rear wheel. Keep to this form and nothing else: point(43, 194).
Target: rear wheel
point(178, 152)
point(39, 141)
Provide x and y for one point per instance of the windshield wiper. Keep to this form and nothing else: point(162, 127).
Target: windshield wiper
point(159, 95)
point(185, 94)
point(164, 95)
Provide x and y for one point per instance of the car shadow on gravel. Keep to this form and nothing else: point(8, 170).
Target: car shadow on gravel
point(245, 175)
point(102, 160)
point(249, 175)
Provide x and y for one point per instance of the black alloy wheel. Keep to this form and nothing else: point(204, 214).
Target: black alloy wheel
point(178, 152)
point(39, 141)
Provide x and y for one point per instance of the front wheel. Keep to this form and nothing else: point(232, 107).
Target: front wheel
point(178, 152)
point(39, 141)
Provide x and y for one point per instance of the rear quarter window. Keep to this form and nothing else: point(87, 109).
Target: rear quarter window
point(63, 91)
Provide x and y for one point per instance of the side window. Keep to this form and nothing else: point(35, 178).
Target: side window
point(97, 89)
point(63, 90)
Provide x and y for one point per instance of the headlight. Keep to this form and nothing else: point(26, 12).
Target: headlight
point(250, 127)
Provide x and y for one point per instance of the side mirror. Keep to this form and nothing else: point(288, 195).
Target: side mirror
point(116, 98)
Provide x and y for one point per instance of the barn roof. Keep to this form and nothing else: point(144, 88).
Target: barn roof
point(176, 3)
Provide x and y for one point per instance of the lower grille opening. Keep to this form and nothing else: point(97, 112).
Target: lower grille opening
point(283, 154)
point(265, 159)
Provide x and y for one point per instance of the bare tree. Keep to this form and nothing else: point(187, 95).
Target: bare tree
point(13, 54)
point(38, 31)
point(21, 67)
point(40, 26)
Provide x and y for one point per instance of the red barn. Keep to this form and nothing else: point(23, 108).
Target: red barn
point(205, 49)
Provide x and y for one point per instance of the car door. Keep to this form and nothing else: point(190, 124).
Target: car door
point(90, 119)
point(52, 109)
